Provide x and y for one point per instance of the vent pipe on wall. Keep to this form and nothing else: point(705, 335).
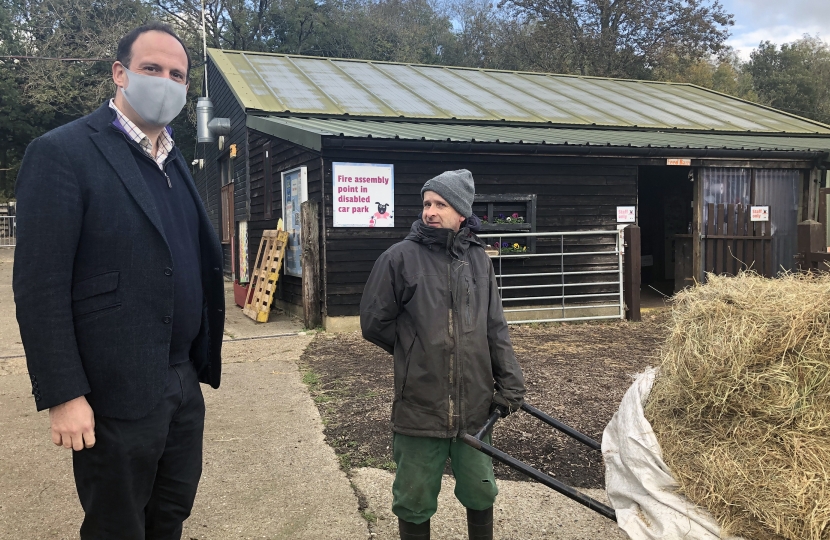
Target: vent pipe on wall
point(207, 127)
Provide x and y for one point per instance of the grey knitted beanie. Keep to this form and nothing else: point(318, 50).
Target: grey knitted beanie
point(456, 187)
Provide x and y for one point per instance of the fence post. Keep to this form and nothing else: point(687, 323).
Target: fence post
point(310, 264)
point(631, 272)
point(811, 239)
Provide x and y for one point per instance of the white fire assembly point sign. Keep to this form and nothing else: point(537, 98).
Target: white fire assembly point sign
point(363, 195)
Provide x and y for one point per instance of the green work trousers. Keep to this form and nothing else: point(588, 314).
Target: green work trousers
point(421, 462)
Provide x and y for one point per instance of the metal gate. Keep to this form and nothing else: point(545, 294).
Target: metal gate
point(571, 276)
point(8, 231)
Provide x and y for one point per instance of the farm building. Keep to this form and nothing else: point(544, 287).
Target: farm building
point(714, 183)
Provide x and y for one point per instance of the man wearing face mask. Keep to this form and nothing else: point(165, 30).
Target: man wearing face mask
point(119, 293)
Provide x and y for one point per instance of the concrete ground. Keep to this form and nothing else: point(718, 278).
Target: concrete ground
point(268, 472)
point(523, 511)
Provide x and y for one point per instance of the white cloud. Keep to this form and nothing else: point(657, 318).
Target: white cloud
point(745, 42)
point(776, 21)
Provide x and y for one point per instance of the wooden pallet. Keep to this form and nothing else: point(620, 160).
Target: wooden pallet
point(265, 275)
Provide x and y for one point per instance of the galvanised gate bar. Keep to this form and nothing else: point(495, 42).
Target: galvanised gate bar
point(597, 294)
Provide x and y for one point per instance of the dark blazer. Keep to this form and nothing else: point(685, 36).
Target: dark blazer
point(93, 278)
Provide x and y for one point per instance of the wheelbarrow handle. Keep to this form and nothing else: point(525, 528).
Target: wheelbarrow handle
point(540, 477)
point(488, 425)
point(568, 430)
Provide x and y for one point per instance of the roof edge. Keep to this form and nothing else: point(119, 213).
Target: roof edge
point(509, 123)
point(337, 142)
point(230, 75)
point(304, 138)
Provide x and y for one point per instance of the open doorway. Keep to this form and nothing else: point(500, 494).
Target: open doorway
point(665, 216)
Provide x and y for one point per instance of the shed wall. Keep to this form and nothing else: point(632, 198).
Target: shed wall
point(283, 156)
point(207, 179)
point(570, 196)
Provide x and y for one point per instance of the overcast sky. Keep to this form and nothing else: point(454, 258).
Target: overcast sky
point(779, 21)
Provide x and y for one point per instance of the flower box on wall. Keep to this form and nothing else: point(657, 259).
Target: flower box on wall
point(502, 212)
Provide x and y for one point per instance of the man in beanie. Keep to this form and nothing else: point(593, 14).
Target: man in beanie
point(432, 301)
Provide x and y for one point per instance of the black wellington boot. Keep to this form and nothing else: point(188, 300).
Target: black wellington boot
point(411, 531)
point(480, 524)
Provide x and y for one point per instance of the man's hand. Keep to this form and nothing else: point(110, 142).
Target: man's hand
point(73, 424)
point(501, 404)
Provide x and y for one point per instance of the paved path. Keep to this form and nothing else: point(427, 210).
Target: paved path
point(523, 511)
point(268, 472)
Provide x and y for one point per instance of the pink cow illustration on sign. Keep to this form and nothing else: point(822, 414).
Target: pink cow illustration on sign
point(380, 214)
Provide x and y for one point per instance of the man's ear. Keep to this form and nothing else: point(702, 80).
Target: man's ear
point(119, 74)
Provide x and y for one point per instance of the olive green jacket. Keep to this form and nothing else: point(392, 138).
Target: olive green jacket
point(432, 301)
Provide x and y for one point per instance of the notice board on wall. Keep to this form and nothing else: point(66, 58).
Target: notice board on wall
point(363, 194)
point(294, 193)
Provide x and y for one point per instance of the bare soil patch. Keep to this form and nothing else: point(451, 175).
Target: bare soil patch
point(577, 373)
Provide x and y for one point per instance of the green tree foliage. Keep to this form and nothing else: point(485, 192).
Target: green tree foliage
point(725, 74)
point(794, 77)
point(75, 29)
point(20, 121)
point(397, 30)
point(622, 38)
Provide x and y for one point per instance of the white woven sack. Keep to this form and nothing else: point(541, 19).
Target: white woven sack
point(640, 485)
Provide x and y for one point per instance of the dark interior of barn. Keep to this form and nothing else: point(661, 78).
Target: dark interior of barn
point(664, 197)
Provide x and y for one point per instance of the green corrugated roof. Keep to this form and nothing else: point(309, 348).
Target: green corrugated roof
point(300, 85)
point(310, 132)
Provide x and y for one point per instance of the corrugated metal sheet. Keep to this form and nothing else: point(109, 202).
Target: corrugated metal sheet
point(778, 189)
point(307, 129)
point(285, 84)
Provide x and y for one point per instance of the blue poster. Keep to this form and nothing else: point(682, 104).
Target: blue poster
point(294, 193)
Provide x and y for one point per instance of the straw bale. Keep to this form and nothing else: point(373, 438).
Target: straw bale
point(741, 405)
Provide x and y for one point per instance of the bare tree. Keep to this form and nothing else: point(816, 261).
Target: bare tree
point(74, 29)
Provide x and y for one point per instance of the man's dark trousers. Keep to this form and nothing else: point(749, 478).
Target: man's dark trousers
point(139, 480)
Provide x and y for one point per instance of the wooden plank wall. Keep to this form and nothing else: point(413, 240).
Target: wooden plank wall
point(207, 179)
point(573, 194)
point(284, 156)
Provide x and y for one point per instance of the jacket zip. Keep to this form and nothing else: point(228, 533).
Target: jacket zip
point(453, 358)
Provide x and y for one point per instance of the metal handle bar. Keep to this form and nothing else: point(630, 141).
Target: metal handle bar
point(566, 490)
point(568, 430)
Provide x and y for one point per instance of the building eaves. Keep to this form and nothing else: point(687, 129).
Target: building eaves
point(315, 132)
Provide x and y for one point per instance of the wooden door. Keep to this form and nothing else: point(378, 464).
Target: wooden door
point(732, 242)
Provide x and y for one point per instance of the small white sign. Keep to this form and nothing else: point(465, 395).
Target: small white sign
point(759, 213)
point(363, 194)
point(679, 162)
point(625, 214)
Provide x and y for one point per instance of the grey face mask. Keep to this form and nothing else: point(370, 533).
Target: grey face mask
point(158, 100)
